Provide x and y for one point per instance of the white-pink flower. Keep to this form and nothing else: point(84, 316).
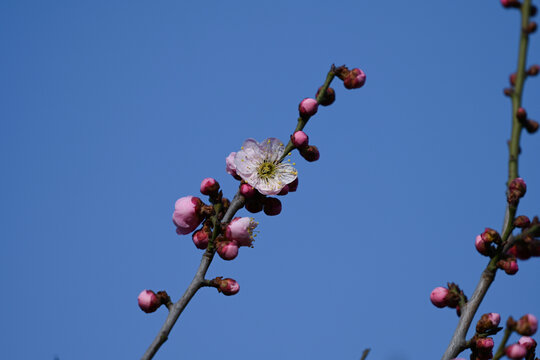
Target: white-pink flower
point(259, 165)
point(241, 230)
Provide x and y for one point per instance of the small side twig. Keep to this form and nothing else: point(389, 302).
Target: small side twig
point(365, 354)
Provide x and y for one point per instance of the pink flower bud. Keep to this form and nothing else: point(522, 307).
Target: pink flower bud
point(284, 191)
point(272, 206)
point(527, 342)
point(308, 107)
point(513, 79)
point(200, 239)
point(355, 79)
point(490, 235)
point(521, 114)
point(227, 250)
point(484, 344)
point(522, 222)
point(527, 325)
point(310, 153)
point(241, 230)
point(300, 139)
point(254, 206)
point(228, 287)
point(516, 190)
point(231, 166)
point(516, 351)
point(533, 70)
point(494, 318)
point(293, 186)
point(328, 98)
point(510, 3)
point(209, 186)
point(247, 190)
point(438, 297)
point(482, 247)
point(186, 215)
point(511, 267)
point(148, 301)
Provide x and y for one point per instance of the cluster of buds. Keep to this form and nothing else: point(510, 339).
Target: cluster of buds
point(530, 125)
point(509, 264)
point(149, 301)
point(524, 348)
point(450, 297)
point(485, 242)
point(527, 246)
point(352, 79)
point(516, 190)
point(301, 141)
point(239, 232)
point(257, 202)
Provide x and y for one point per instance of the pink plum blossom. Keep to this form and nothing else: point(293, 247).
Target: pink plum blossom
point(258, 164)
point(186, 215)
point(231, 167)
point(241, 230)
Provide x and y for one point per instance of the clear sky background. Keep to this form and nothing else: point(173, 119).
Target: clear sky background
point(111, 110)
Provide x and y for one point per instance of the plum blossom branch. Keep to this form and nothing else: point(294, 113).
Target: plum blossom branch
point(198, 281)
point(458, 342)
point(261, 171)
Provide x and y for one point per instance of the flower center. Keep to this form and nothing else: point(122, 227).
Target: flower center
point(266, 170)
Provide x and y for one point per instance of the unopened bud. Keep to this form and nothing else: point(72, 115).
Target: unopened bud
point(328, 98)
point(438, 297)
point(511, 267)
point(527, 325)
point(254, 205)
point(310, 153)
point(272, 206)
point(307, 108)
point(300, 139)
point(527, 342)
point(482, 246)
point(284, 191)
point(531, 28)
point(148, 301)
point(491, 236)
point(247, 190)
point(533, 70)
point(293, 186)
point(488, 322)
point(531, 126)
point(508, 91)
point(522, 222)
point(521, 114)
point(515, 351)
point(513, 79)
point(209, 186)
point(516, 190)
point(227, 250)
point(228, 286)
point(200, 239)
point(484, 344)
point(355, 79)
point(510, 3)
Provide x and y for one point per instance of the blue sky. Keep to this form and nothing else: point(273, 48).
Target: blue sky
point(110, 111)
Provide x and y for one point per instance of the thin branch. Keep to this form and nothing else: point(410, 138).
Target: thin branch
point(174, 312)
point(365, 354)
point(500, 350)
point(458, 342)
